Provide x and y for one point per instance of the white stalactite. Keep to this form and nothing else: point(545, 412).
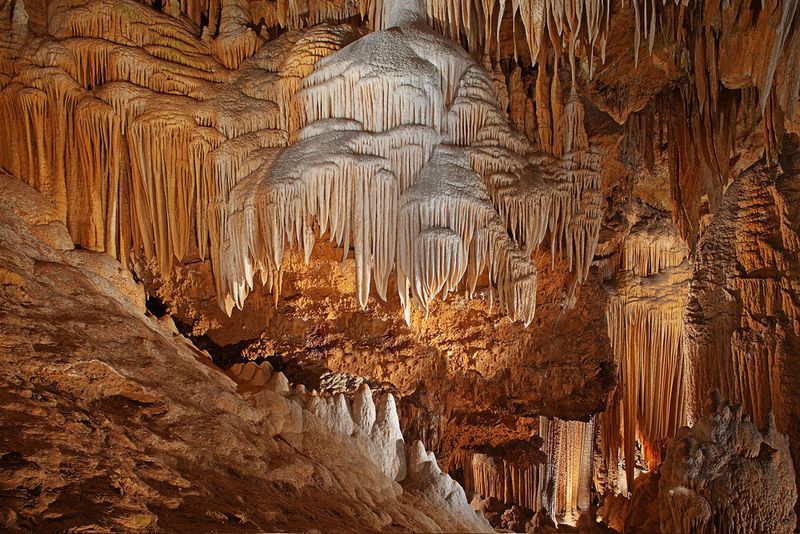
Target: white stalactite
point(395, 145)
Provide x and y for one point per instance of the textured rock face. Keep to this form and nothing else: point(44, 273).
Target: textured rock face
point(724, 475)
point(742, 315)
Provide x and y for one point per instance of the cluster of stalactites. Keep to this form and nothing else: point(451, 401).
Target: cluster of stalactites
point(561, 485)
point(87, 126)
point(369, 168)
point(580, 25)
point(481, 22)
point(83, 134)
point(646, 338)
point(272, 14)
point(730, 92)
point(249, 223)
point(507, 482)
point(126, 22)
point(651, 249)
point(207, 177)
point(448, 228)
point(236, 40)
point(566, 207)
point(645, 326)
point(171, 38)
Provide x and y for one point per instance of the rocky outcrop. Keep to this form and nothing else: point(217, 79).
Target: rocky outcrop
point(741, 325)
point(725, 475)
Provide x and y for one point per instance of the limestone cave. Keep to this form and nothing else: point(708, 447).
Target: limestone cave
point(399, 266)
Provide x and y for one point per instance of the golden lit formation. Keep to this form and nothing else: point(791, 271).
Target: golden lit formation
point(399, 265)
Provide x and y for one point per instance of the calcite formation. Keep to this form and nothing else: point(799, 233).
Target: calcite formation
point(558, 483)
point(725, 475)
point(645, 325)
point(366, 165)
point(358, 264)
point(374, 429)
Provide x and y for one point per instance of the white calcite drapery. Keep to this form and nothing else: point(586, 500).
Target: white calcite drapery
point(404, 153)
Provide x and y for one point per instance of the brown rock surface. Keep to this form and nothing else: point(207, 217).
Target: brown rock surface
point(725, 475)
point(741, 326)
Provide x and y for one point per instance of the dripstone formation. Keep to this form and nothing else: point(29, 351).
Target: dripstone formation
point(399, 265)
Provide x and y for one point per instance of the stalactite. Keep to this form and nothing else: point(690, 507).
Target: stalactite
point(557, 108)
point(236, 40)
point(543, 115)
point(645, 320)
point(19, 19)
point(518, 101)
point(387, 189)
point(99, 157)
point(365, 162)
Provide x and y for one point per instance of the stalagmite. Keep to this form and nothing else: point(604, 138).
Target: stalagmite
point(374, 429)
point(426, 478)
point(694, 490)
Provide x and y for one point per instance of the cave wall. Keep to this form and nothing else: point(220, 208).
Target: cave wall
point(741, 323)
